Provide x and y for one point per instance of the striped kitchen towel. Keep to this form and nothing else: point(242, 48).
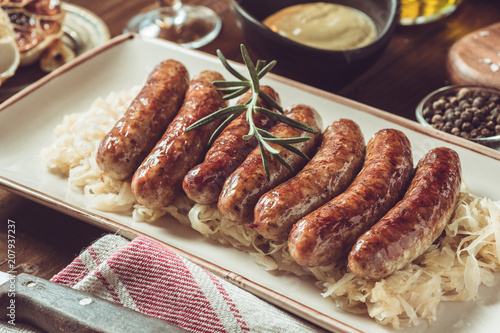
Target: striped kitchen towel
point(144, 275)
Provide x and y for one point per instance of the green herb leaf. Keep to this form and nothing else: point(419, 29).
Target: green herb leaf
point(260, 65)
point(285, 163)
point(295, 150)
point(285, 142)
point(227, 84)
point(236, 109)
point(286, 120)
point(269, 100)
point(265, 161)
point(266, 69)
point(221, 127)
point(288, 141)
point(229, 68)
point(269, 148)
point(251, 69)
point(235, 94)
point(233, 89)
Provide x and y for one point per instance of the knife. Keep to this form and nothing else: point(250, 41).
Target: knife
point(56, 308)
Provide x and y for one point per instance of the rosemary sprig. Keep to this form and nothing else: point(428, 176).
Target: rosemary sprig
point(233, 89)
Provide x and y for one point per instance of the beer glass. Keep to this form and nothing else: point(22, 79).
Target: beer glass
point(425, 11)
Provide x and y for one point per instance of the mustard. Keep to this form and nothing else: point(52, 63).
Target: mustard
point(324, 26)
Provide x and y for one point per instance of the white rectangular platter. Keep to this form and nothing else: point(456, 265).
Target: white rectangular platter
point(28, 120)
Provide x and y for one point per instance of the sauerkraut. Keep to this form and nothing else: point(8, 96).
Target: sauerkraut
point(73, 155)
point(452, 269)
point(464, 257)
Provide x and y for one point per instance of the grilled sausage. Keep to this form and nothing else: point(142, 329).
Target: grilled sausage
point(248, 182)
point(409, 228)
point(328, 174)
point(204, 182)
point(124, 148)
point(326, 235)
point(159, 178)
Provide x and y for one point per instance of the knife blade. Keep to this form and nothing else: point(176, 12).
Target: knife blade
point(56, 308)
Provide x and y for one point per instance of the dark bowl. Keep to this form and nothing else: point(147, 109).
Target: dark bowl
point(323, 68)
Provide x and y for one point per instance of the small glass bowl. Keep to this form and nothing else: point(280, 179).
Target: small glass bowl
point(490, 141)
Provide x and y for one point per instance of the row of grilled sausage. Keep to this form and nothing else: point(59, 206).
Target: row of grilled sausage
point(363, 203)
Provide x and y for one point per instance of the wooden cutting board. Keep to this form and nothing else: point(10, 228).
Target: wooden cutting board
point(475, 58)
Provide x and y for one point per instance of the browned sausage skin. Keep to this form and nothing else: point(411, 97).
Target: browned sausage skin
point(248, 182)
point(159, 178)
point(204, 182)
point(124, 148)
point(326, 235)
point(330, 171)
point(409, 228)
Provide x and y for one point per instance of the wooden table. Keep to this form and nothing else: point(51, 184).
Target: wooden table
point(411, 67)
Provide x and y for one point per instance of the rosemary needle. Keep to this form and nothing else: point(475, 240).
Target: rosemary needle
point(233, 89)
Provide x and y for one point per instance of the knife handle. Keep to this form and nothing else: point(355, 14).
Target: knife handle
point(56, 308)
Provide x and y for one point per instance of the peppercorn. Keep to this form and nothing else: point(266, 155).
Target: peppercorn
point(463, 93)
point(437, 119)
point(481, 114)
point(438, 105)
point(467, 127)
point(427, 112)
point(476, 121)
point(478, 102)
point(495, 112)
point(449, 115)
point(463, 104)
point(485, 132)
point(467, 113)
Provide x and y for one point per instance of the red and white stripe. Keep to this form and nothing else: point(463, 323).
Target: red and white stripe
point(147, 277)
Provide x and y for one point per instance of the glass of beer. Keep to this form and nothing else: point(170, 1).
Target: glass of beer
point(425, 11)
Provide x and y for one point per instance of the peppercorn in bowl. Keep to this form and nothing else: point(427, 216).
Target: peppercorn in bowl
point(470, 112)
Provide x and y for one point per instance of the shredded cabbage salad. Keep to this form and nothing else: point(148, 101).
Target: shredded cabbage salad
point(464, 257)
